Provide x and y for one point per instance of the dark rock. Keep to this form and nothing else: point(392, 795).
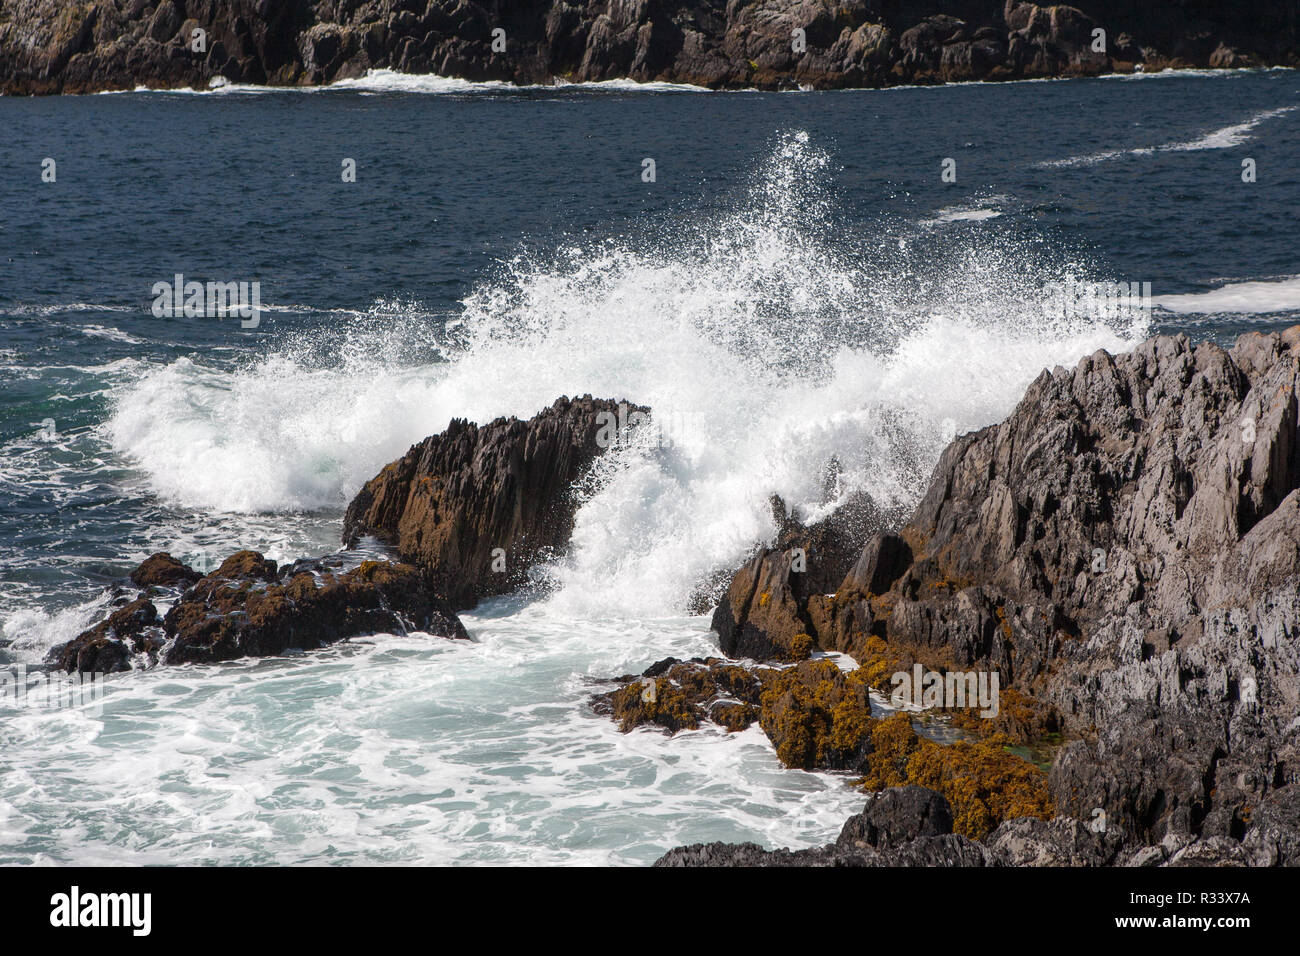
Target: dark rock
point(897, 816)
point(109, 646)
point(245, 609)
point(477, 506)
point(248, 607)
point(164, 571)
point(165, 22)
point(766, 613)
point(1124, 550)
point(946, 851)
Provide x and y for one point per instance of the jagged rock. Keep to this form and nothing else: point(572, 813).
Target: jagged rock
point(477, 506)
point(896, 816)
point(47, 46)
point(1063, 841)
point(109, 646)
point(765, 613)
point(1124, 550)
point(948, 850)
point(249, 607)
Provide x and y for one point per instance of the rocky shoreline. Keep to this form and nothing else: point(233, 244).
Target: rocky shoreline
point(1121, 555)
point(1124, 552)
point(49, 46)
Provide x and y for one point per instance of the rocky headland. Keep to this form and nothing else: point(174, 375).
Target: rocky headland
point(1124, 552)
point(52, 46)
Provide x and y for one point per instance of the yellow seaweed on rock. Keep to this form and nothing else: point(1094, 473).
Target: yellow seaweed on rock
point(983, 783)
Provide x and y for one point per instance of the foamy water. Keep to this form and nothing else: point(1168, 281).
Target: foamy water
point(1224, 137)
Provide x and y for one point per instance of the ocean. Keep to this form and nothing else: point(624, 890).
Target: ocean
point(795, 277)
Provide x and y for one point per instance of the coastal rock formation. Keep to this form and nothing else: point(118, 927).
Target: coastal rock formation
point(680, 695)
point(1124, 551)
point(764, 614)
point(911, 826)
point(109, 646)
point(816, 716)
point(896, 816)
point(49, 46)
point(249, 607)
point(475, 507)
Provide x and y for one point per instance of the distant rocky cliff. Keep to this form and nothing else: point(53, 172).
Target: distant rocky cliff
point(54, 46)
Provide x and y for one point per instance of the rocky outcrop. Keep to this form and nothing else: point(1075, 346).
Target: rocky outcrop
point(472, 509)
point(816, 716)
point(681, 695)
point(1124, 551)
point(905, 826)
point(108, 647)
point(897, 816)
point(764, 613)
point(912, 826)
point(475, 507)
point(48, 46)
point(249, 607)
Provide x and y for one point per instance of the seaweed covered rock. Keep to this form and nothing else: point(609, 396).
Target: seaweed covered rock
point(680, 695)
point(161, 570)
point(817, 717)
point(476, 506)
point(250, 607)
point(983, 783)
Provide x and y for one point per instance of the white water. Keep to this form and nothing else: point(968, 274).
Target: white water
point(767, 340)
point(1238, 298)
point(1226, 137)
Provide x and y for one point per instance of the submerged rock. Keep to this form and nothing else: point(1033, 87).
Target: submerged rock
point(475, 507)
point(249, 607)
